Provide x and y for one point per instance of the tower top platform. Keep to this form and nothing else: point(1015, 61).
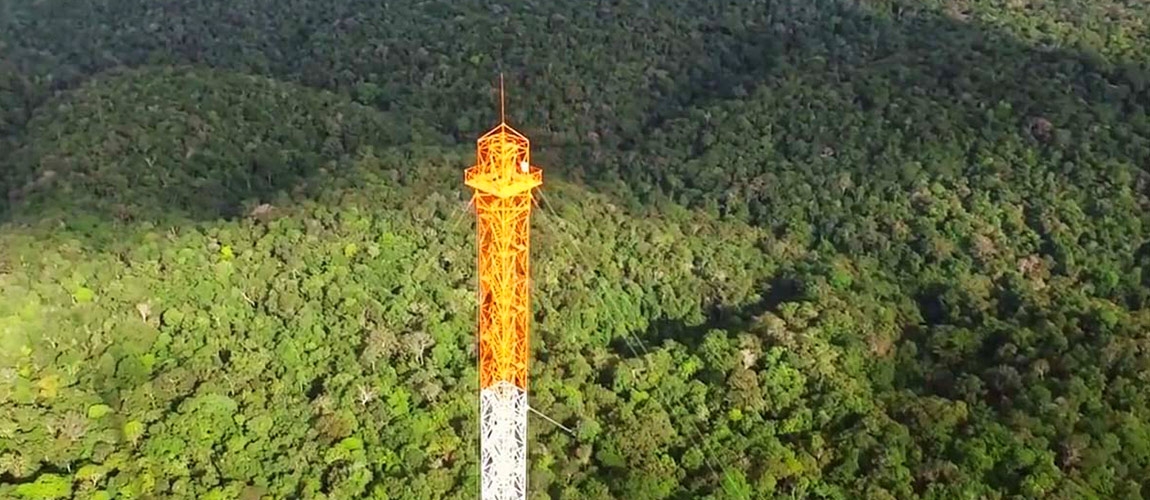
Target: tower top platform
point(503, 163)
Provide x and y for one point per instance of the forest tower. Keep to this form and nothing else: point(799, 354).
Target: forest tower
point(502, 179)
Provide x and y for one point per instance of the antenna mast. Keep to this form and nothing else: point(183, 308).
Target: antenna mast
point(502, 179)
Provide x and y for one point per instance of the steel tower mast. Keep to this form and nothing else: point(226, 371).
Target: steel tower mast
point(502, 179)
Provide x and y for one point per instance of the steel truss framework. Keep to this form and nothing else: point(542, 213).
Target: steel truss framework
point(503, 452)
point(502, 179)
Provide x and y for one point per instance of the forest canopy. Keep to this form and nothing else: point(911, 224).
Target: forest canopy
point(785, 249)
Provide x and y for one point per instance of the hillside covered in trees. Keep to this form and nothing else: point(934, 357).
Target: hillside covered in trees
point(882, 249)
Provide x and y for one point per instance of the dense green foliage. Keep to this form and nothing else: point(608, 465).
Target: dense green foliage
point(880, 249)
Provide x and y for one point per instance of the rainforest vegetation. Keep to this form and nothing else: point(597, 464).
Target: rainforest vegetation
point(837, 249)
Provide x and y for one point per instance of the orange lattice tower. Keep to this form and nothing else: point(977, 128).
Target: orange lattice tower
point(503, 178)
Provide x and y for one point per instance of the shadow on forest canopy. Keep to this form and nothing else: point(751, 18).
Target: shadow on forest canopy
point(148, 143)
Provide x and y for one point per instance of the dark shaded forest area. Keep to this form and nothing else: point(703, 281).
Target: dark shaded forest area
point(877, 249)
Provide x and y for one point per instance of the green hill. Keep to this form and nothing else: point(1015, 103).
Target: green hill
point(184, 142)
point(816, 249)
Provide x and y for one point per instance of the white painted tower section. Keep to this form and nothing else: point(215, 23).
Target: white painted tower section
point(503, 442)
